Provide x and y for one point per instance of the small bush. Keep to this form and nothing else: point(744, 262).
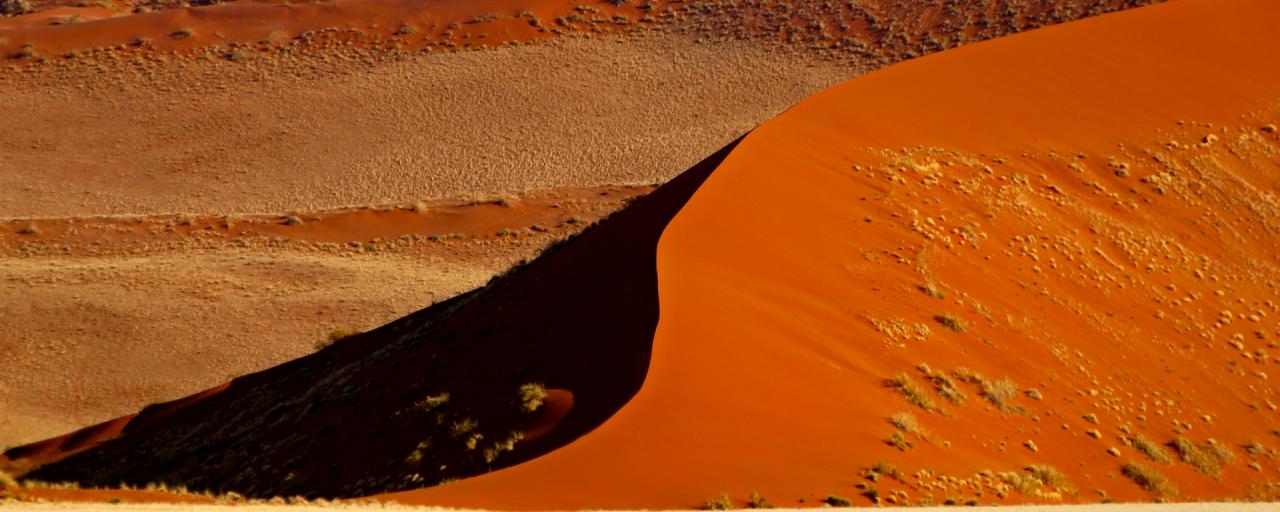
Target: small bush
point(336, 335)
point(531, 396)
point(1052, 477)
point(29, 229)
point(755, 500)
point(947, 388)
point(7, 482)
point(907, 423)
point(1208, 457)
point(951, 321)
point(899, 441)
point(837, 501)
point(184, 32)
point(1149, 480)
point(882, 469)
point(1149, 449)
point(15, 7)
point(914, 394)
point(406, 29)
point(721, 502)
point(1000, 392)
point(931, 289)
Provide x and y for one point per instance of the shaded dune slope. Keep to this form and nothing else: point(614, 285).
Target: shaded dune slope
point(1060, 245)
point(431, 397)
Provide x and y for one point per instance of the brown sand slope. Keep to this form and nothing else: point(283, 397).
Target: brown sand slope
point(437, 395)
point(104, 316)
point(1057, 246)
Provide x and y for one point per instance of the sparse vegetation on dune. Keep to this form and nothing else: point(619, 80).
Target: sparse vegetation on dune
point(1150, 480)
point(911, 391)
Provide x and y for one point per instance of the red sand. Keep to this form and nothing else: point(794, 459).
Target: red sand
point(766, 371)
point(432, 22)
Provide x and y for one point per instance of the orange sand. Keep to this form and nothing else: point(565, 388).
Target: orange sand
point(767, 370)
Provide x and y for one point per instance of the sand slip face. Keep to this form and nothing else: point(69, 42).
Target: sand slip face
point(1083, 211)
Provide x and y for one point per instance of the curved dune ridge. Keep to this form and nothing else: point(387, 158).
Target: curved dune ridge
point(1095, 202)
point(1034, 269)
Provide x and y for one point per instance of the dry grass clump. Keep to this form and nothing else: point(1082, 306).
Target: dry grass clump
point(837, 501)
point(1041, 482)
point(721, 502)
point(947, 388)
point(914, 394)
point(999, 392)
point(1149, 480)
point(15, 7)
point(882, 469)
point(184, 32)
point(899, 441)
point(1149, 449)
point(951, 321)
point(531, 396)
point(492, 452)
point(1208, 457)
point(931, 289)
point(29, 229)
point(336, 335)
point(7, 482)
point(907, 423)
point(756, 501)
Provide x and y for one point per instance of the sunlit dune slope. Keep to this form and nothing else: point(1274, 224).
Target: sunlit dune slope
point(1061, 245)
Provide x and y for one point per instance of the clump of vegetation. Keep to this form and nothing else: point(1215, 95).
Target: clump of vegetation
point(882, 469)
point(721, 502)
point(292, 219)
point(29, 229)
point(406, 29)
point(931, 289)
point(184, 32)
point(947, 388)
point(914, 394)
point(899, 441)
point(907, 423)
point(484, 18)
point(493, 451)
point(7, 482)
point(1052, 477)
point(999, 392)
point(755, 500)
point(1149, 449)
point(837, 501)
point(15, 7)
point(1208, 457)
point(336, 335)
point(462, 427)
point(1149, 480)
point(531, 396)
point(431, 402)
point(951, 321)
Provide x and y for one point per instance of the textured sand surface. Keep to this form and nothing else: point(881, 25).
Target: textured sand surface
point(227, 138)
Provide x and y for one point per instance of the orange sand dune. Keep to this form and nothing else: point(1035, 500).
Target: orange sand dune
point(1059, 245)
point(767, 364)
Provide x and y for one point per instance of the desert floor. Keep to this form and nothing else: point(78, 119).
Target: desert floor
point(1118, 507)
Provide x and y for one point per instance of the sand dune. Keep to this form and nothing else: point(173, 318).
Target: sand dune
point(1036, 269)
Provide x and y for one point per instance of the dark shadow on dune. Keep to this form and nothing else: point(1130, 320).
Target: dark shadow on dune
point(428, 398)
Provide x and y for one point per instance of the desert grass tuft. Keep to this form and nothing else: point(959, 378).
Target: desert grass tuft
point(1150, 480)
point(837, 501)
point(756, 501)
point(914, 394)
point(1149, 449)
point(721, 502)
point(531, 396)
point(1208, 457)
point(952, 322)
